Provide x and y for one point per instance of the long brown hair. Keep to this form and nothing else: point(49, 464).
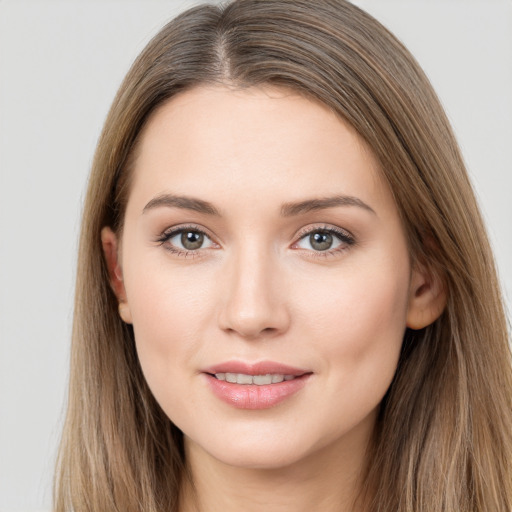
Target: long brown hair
point(443, 440)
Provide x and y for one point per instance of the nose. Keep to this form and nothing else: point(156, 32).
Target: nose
point(254, 297)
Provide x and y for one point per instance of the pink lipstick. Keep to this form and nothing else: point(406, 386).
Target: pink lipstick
point(255, 386)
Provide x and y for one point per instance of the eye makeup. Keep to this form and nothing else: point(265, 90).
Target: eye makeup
point(324, 241)
point(318, 241)
point(186, 240)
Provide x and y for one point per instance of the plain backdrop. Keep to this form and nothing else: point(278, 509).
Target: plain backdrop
point(60, 65)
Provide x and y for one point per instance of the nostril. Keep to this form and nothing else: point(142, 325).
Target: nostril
point(254, 332)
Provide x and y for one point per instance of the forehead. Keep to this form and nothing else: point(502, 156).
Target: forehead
point(256, 140)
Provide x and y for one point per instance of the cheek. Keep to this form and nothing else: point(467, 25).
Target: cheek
point(169, 310)
point(358, 325)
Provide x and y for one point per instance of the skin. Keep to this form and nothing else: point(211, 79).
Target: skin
point(259, 290)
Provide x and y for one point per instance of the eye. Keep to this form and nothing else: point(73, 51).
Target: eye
point(184, 239)
point(189, 240)
point(325, 240)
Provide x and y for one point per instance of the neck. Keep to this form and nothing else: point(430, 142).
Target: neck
point(328, 480)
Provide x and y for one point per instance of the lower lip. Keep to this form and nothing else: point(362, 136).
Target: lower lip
point(252, 396)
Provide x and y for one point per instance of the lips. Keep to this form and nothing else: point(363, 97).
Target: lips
point(255, 386)
point(260, 368)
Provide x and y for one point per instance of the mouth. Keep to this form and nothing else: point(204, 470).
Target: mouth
point(258, 380)
point(255, 386)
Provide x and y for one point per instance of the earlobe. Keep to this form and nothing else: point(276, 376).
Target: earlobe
point(124, 312)
point(111, 252)
point(427, 298)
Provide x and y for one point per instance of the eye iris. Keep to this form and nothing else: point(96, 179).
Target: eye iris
point(320, 241)
point(192, 240)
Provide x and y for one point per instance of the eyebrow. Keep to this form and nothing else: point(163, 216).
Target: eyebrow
point(184, 202)
point(287, 209)
point(309, 205)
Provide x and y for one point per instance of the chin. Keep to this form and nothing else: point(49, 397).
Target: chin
point(261, 459)
point(268, 452)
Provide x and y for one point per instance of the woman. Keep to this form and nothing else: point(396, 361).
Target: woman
point(285, 294)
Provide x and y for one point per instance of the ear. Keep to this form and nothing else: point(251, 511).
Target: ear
point(111, 252)
point(427, 298)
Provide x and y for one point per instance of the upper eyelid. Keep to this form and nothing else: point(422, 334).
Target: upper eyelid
point(173, 230)
point(324, 227)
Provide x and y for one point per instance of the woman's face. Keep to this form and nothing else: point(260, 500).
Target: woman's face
point(262, 246)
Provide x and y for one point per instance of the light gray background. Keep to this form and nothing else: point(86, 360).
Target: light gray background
point(60, 65)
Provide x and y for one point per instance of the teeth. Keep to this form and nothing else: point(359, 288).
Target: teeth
point(243, 379)
point(259, 380)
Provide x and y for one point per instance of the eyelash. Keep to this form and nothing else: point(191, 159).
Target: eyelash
point(346, 239)
point(164, 238)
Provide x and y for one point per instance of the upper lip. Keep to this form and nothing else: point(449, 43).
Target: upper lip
point(259, 368)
